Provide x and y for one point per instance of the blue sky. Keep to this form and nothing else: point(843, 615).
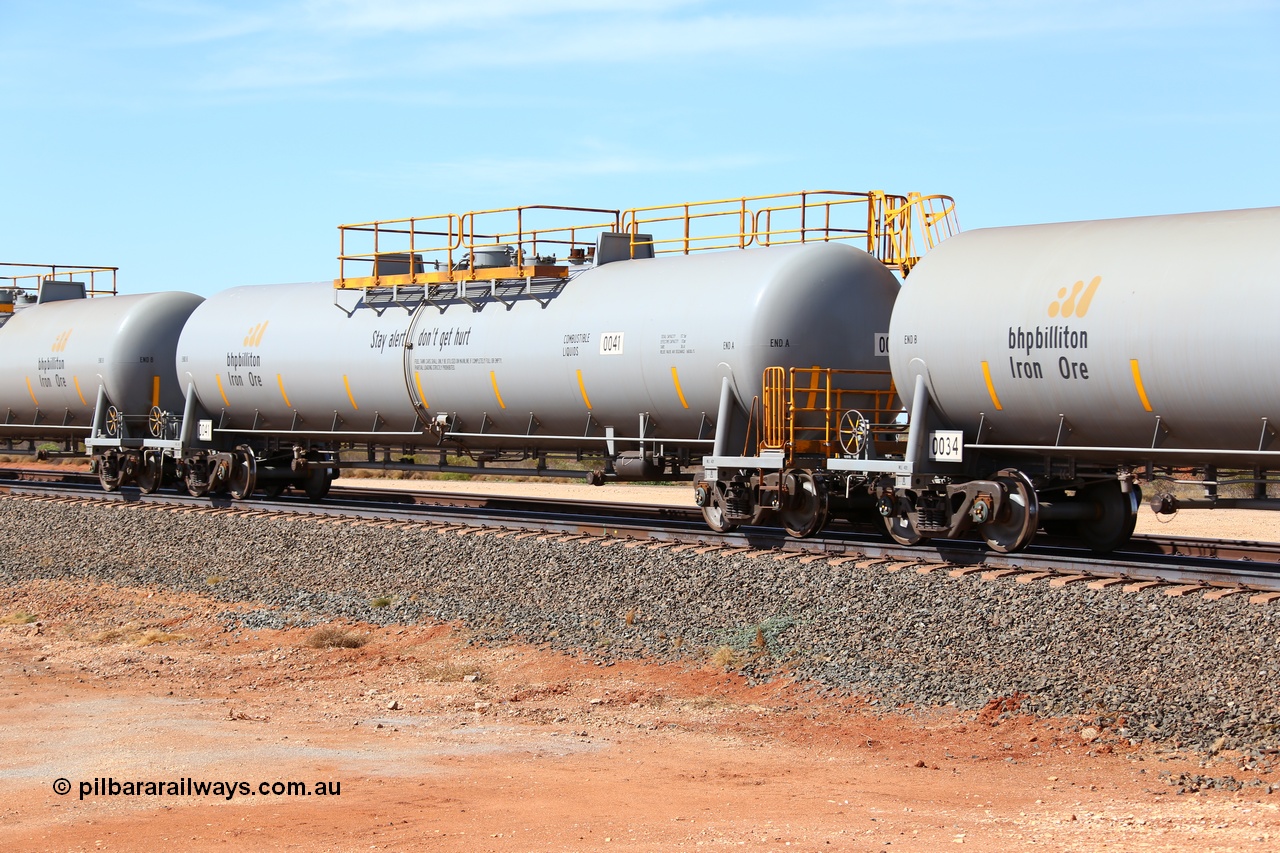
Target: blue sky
point(202, 145)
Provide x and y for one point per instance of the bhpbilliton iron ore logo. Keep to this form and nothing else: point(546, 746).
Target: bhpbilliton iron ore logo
point(1077, 304)
point(255, 334)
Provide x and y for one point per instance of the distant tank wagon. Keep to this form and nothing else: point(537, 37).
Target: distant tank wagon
point(97, 371)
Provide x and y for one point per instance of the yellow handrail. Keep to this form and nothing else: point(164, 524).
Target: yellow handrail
point(802, 407)
point(13, 277)
point(773, 410)
point(511, 241)
point(453, 246)
point(885, 225)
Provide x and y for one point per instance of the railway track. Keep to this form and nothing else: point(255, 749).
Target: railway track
point(1214, 568)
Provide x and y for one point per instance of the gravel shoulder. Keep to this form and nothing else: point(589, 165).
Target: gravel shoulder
point(538, 751)
point(519, 694)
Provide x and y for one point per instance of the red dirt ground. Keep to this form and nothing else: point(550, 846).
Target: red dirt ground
point(539, 751)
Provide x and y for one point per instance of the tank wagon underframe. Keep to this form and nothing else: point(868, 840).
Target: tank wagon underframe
point(925, 483)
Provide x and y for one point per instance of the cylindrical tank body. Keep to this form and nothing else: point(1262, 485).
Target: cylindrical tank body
point(653, 337)
point(57, 354)
point(286, 356)
point(1085, 333)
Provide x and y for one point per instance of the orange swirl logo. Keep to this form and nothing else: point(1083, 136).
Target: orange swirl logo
point(60, 342)
point(1077, 304)
point(255, 334)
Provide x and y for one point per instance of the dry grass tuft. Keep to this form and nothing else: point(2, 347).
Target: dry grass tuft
point(154, 636)
point(725, 657)
point(382, 601)
point(333, 637)
point(136, 635)
point(17, 617)
point(214, 580)
point(110, 635)
point(447, 671)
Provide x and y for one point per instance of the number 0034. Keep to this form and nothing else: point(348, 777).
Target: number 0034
point(946, 445)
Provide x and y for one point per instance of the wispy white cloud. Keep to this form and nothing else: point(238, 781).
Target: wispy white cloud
point(278, 72)
point(315, 42)
point(193, 22)
point(598, 164)
point(515, 174)
point(286, 47)
point(403, 16)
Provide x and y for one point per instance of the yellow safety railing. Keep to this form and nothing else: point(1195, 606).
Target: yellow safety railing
point(27, 278)
point(801, 408)
point(931, 218)
point(546, 241)
point(773, 417)
point(505, 243)
point(885, 225)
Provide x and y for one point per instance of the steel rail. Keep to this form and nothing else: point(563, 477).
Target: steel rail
point(1181, 561)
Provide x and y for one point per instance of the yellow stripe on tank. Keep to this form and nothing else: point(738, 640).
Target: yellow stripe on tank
point(583, 388)
point(493, 377)
point(155, 391)
point(675, 377)
point(284, 396)
point(83, 401)
point(217, 377)
point(991, 388)
point(1137, 383)
point(32, 393)
point(422, 398)
point(347, 384)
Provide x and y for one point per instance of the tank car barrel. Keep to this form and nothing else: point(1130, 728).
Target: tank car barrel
point(1077, 356)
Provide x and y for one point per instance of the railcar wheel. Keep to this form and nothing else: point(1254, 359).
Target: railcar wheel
point(110, 474)
point(804, 509)
point(149, 473)
point(274, 489)
point(243, 476)
point(900, 527)
point(710, 497)
point(317, 484)
point(1019, 516)
point(1117, 517)
point(197, 485)
point(714, 516)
